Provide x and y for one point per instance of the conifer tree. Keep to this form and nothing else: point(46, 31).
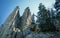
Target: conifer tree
point(57, 7)
point(44, 19)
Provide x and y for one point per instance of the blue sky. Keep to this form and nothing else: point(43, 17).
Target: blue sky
point(7, 6)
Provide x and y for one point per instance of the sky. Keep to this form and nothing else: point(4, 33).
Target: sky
point(7, 6)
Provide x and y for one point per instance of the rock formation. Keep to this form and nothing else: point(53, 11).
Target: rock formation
point(15, 25)
point(26, 18)
point(11, 22)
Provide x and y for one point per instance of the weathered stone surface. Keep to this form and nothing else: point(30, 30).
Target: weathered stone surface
point(43, 35)
point(26, 18)
point(11, 22)
point(15, 26)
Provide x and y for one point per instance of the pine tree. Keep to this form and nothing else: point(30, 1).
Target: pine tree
point(57, 7)
point(44, 19)
point(33, 21)
point(42, 14)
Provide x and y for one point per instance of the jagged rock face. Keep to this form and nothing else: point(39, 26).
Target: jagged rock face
point(26, 18)
point(11, 22)
point(14, 24)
